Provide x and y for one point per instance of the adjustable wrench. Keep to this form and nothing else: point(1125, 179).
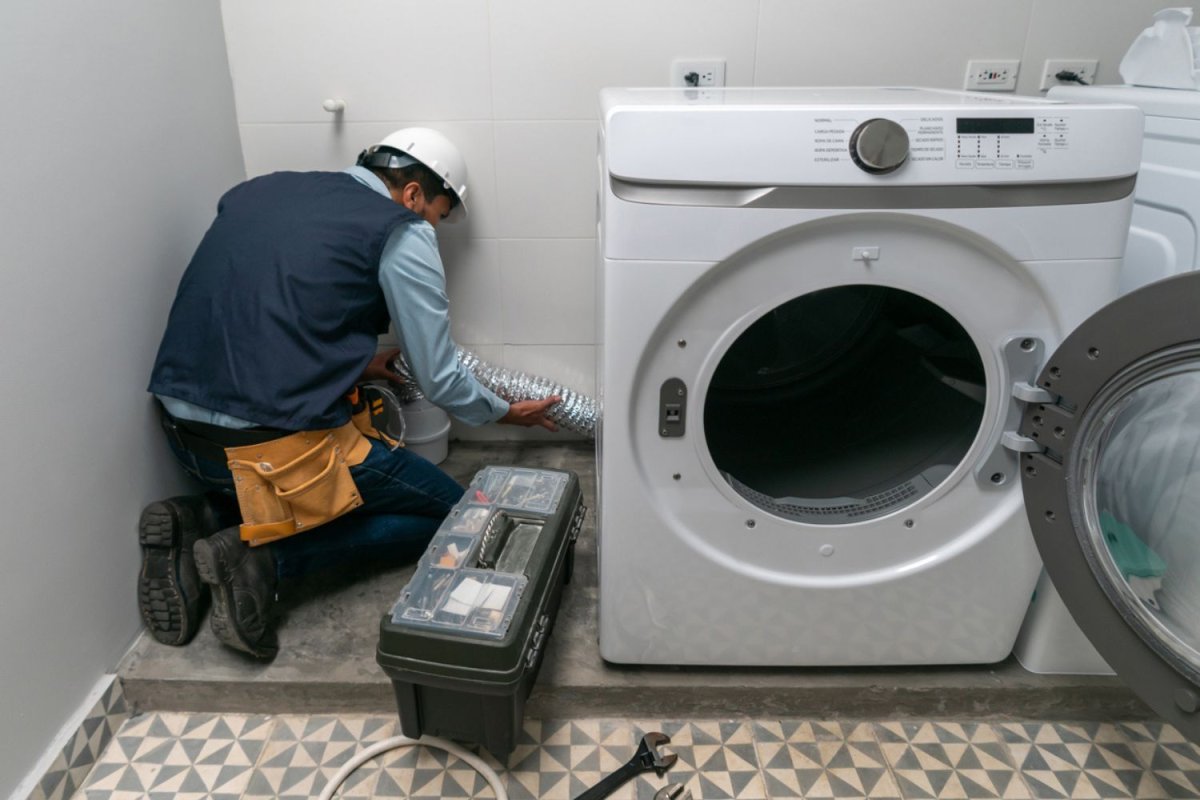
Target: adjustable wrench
point(645, 759)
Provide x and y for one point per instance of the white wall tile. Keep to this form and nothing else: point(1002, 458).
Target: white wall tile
point(474, 286)
point(1086, 29)
point(549, 290)
point(546, 179)
point(549, 60)
point(876, 42)
point(326, 146)
point(573, 366)
point(388, 59)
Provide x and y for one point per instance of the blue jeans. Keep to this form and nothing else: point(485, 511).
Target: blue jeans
point(405, 498)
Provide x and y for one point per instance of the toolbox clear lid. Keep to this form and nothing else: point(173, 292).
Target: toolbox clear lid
point(523, 489)
point(471, 577)
point(470, 602)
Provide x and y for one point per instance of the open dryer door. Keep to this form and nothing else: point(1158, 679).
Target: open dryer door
point(1111, 474)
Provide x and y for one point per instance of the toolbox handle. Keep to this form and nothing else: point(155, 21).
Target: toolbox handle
point(538, 638)
point(577, 522)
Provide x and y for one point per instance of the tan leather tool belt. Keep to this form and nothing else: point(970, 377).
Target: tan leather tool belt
point(297, 482)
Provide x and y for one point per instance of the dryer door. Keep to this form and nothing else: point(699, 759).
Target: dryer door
point(1111, 475)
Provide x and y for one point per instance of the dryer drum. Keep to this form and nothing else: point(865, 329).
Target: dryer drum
point(871, 396)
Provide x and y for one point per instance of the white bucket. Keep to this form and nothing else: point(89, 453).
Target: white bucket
point(426, 430)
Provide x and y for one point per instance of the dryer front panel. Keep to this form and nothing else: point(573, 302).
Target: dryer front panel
point(843, 384)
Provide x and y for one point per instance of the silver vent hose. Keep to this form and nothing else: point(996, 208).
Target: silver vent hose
point(574, 412)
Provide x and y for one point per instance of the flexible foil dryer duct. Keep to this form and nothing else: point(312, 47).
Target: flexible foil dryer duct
point(575, 412)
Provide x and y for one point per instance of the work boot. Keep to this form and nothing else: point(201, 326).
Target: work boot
point(242, 580)
point(170, 594)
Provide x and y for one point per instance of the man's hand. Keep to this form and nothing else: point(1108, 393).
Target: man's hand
point(380, 368)
point(529, 413)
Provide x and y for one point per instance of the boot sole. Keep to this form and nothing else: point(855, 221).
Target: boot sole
point(215, 572)
point(169, 616)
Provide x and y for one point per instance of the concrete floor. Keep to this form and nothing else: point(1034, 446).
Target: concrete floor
point(329, 631)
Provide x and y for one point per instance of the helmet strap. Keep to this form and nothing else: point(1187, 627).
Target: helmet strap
point(384, 158)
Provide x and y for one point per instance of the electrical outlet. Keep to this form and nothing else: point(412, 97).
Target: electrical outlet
point(992, 76)
point(1085, 68)
point(691, 73)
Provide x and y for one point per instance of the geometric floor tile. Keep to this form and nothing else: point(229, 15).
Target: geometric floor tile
point(1174, 760)
point(303, 753)
point(185, 756)
point(559, 760)
point(1079, 760)
point(72, 766)
point(949, 760)
point(803, 759)
point(165, 756)
point(717, 760)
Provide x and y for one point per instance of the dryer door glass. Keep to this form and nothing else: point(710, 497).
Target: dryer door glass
point(845, 404)
point(1139, 464)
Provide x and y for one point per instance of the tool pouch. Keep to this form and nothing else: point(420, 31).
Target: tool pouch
point(296, 483)
point(368, 413)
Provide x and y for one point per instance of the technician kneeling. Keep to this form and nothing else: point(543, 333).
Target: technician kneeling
point(275, 322)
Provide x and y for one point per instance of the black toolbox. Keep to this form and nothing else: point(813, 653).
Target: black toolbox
point(463, 643)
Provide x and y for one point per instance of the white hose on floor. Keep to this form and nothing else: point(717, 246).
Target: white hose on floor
point(395, 743)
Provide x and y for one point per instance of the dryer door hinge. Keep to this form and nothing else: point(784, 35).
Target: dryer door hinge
point(1028, 393)
point(1018, 443)
point(1023, 357)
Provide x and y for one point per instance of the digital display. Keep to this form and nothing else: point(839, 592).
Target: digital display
point(995, 125)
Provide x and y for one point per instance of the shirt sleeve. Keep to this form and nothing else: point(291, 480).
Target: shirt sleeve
point(414, 285)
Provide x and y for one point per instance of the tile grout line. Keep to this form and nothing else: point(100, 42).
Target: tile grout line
point(873, 726)
point(1012, 758)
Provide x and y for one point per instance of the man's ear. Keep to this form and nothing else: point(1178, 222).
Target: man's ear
point(410, 194)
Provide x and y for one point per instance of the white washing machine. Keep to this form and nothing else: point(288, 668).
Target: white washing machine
point(1164, 240)
point(824, 314)
point(1164, 234)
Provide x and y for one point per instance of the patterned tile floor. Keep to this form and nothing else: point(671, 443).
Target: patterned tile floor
point(193, 756)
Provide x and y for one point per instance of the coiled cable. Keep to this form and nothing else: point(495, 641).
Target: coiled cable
point(395, 743)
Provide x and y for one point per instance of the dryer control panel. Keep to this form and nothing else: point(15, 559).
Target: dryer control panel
point(1008, 142)
point(879, 146)
point(828, 137)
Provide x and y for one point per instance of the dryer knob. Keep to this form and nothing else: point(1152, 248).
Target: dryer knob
point(879, 146)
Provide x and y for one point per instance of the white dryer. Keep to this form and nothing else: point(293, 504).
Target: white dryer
point(824, 314)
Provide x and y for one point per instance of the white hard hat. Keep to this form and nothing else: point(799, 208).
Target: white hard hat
point(431, 149)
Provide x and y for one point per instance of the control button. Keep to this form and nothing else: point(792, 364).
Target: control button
point(985, 164)
point(879, 146)
point(1024, 164)
point(1005, 164)
point(965, 163)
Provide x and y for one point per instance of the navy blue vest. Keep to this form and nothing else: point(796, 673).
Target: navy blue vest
point(280, 308)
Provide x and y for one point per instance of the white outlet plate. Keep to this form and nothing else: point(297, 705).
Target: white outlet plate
point(707, 72)
point(992, 76)
point(1085, 68)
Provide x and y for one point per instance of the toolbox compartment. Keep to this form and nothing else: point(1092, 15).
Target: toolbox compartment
point(465, 640)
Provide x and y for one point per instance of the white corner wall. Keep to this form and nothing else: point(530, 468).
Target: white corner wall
point(119, 135)
point(514, 82)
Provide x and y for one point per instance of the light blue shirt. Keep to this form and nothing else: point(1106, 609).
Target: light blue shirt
point(414, 286)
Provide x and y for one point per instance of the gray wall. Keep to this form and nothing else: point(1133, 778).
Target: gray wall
point(118, 136)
